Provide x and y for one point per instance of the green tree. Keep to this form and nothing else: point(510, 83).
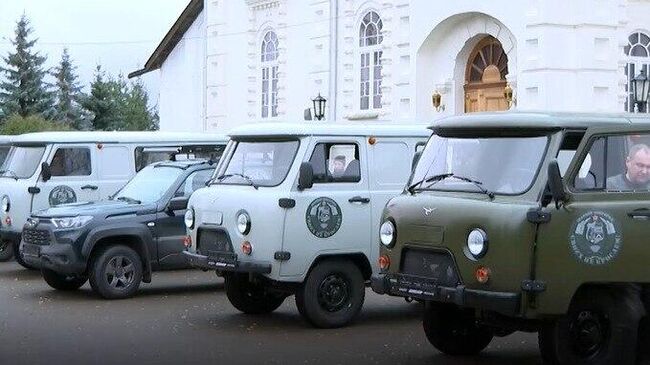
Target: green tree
point(137, 114)
point(23, 90)
point(17, 124)
point(117, 105)
point(68, 94)
point(101, 102)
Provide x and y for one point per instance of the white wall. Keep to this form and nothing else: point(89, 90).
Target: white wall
point(561, 57)
point(182, 83)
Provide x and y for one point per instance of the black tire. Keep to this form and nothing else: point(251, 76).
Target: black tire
point(332, 295)
point(116, 272)
point(63, 282)
point(601, 327)
point(19, 257)
point(6, 251)
point(249, 297)
point(453, 330)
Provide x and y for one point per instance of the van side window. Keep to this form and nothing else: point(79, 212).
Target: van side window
point(335, 163)
point(71, 162)
point(145, 156)
point(194, 182)
point(616, 163)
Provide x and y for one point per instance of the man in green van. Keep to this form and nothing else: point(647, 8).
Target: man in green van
point(637, 171)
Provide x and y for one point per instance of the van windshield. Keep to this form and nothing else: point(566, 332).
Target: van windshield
point(498, 165)
point(149, 185)
point(258, 163)
point(22, 162)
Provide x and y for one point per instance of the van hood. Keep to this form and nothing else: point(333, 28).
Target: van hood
point(443, 222)
point(217, 208)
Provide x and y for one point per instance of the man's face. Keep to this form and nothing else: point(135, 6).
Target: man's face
point(638, 167)
point(339, 166)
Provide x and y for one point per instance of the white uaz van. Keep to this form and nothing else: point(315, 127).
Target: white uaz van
point(52, 168)
point(295, 208)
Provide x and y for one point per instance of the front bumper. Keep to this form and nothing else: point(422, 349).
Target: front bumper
point(405, 286)
point(225, 263)
point(60, 258)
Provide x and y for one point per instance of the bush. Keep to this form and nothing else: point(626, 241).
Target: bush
point(16, 124)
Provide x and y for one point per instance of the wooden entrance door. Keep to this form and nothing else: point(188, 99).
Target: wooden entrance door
point(485, 79)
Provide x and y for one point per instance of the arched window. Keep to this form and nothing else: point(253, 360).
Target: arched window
point(638, 58)
point(370, 39)
point(269, 55)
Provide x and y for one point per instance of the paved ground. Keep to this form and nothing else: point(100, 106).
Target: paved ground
point(183, 317)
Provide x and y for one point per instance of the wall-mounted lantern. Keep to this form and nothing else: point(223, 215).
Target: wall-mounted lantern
point(508, 94)
point(319, 107)
point(436, 100)
point(640, 88)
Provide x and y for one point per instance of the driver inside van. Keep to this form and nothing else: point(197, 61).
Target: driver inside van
point(637, 171)
point(338, 166)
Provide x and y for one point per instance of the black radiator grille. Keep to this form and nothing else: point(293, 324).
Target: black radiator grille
point(433, 265)
point(213, 241)
point(36, 237)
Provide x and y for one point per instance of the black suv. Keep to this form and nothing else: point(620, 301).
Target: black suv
point(117, 243)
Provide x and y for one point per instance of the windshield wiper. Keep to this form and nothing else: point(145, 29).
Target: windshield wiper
point(478, 184)
point(245, 177)
point(11, 172)
point(128, 200)
point(433, 178)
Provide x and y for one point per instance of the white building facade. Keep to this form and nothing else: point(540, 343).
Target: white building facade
point(262, 60)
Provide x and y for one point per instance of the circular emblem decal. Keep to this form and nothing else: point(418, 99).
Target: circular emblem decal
point(324, 217)
point(62, 194)
point(595, 238)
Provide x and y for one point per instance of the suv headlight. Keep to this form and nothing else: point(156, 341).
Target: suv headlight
point(71, 222)
point(477, 243)
point(243, 223)
point(387, 233)
point(189, 218)
point(6, 204)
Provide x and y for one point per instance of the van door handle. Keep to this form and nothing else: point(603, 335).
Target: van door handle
point(358, 199)
point(89, 187)
point(642, 214)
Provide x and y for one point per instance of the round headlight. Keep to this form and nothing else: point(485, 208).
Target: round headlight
point(243, 223)
point(387, 233)
point(189, 218)
point(477, 243)
point(6, 204)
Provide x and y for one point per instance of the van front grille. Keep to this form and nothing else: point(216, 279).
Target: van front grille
point(213, 241)
point(433, 265)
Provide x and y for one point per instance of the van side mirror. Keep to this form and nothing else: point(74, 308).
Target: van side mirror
point(178, 203)
point(555, 183)
point(306, 176)
point(46, 172)
point(416, 158)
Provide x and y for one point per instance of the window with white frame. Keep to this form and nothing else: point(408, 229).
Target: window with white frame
point(269, 55)
point(370, 39)
point(638, 59)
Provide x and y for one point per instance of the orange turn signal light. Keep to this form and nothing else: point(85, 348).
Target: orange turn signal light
point(187, 241)
point(384, 262)
point(246, 248)
point(482, 274)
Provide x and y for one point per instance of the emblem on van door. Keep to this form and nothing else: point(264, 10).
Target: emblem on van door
point(323, 217)
point(595, 238)
point(428, 211)
point(62, 194)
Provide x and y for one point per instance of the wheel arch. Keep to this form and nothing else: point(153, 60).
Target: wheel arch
point(134, 238)
point(357, 258)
